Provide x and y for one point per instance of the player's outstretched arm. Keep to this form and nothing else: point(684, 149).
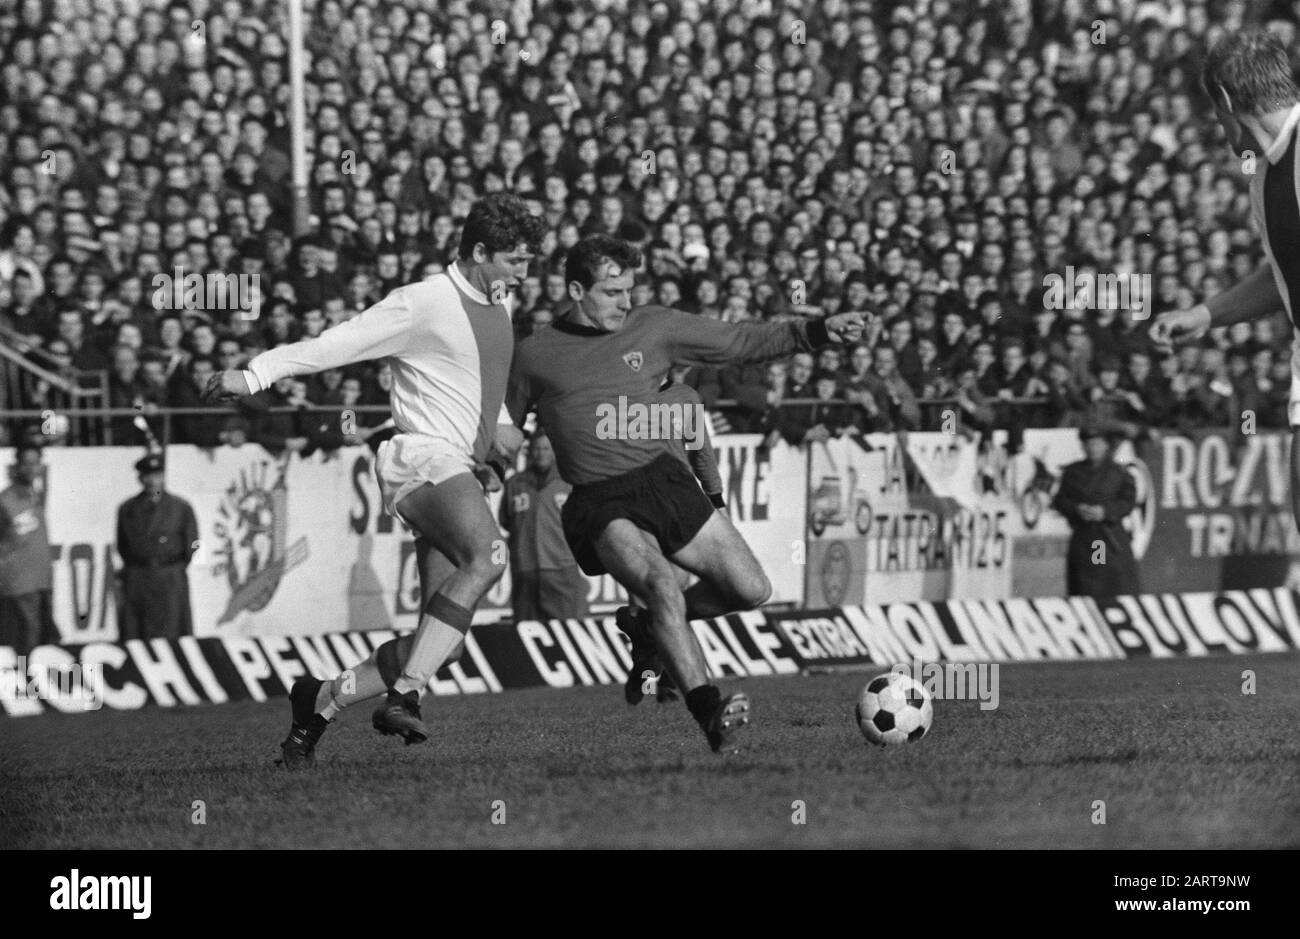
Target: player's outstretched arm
point(698, 339)
point(380, 331)
point(1254, 297)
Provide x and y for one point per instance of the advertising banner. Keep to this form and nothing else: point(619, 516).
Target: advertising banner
point(945, 516)
point(575, 653)
point(1223, 512)
point(293, 546)
point(301, 546)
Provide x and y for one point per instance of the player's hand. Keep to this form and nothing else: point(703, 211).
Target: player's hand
point(226, 386)
point(845, 327)
point(509, 439)
point(487, 477)
point(1180, 327)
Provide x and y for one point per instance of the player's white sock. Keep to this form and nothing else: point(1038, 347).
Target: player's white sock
point(442, 627)
point(358, 683)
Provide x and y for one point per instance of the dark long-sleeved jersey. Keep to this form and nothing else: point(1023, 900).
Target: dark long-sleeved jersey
point(702, 460)
point(595, 392)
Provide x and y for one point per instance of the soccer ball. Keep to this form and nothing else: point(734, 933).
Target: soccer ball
point(894, 708)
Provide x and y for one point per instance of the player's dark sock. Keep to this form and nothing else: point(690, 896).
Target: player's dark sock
point(636, 623)
point(702, 702)
point(299, 749)
point(390, 660)
point(645, 658)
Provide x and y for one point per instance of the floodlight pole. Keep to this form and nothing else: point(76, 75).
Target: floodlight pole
point(298, 121)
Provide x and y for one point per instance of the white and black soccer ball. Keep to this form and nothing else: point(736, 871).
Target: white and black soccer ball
point(893, 709)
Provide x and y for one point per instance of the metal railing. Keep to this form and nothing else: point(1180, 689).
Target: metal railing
point(166, 415)
point(79, 393)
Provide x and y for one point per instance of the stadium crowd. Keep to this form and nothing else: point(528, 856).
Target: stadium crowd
point(928, 161)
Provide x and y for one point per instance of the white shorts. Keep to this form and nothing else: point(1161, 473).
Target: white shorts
point(406, 462)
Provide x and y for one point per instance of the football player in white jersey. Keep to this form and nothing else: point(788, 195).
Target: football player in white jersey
point(449, 340)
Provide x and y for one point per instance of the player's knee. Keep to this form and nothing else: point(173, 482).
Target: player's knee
point(488, 562)
point(755, 590)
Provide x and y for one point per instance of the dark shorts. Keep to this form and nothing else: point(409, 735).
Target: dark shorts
point(662, 498)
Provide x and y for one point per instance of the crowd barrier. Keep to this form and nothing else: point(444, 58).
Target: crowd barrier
point(572, 653)
point(292, 546)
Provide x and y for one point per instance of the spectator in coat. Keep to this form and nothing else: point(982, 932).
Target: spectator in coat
point(545, 582)
point(157, 535)
point(1095, 496)
point(892, 395)
point(202, 430)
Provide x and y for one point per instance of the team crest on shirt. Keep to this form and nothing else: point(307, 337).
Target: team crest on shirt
point(560, 499)
point(634, 360)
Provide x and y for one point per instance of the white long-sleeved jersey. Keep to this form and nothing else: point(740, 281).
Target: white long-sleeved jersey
point(450, 350)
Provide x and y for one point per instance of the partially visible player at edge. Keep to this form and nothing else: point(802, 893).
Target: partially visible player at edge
point(449, 340)
point(1248, 78)
point(636, 511)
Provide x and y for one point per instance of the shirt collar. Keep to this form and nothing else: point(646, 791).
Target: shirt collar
point(565, 324)
point(464, 285)
point(1283, 139)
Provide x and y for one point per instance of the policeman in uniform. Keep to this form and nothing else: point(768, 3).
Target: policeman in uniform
point(1095, 496)
point(156, 535)
point(544, 578)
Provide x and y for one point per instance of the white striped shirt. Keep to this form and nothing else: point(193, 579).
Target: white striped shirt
point(450, 350)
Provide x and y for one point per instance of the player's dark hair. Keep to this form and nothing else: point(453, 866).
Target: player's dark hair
point(1252, 67)
point(585, 258)
point(500, 222)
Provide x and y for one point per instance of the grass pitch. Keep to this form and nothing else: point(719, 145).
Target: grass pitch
point(1179, 756)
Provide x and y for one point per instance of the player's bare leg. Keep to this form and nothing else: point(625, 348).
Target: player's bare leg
point(453, 519)
point(730, 579)
point(633, 557)
point(374, 676)
point(458, 561)
point(647, 674)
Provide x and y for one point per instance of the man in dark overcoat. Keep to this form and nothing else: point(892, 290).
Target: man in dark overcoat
point(1095, 496)
point(157, 536)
